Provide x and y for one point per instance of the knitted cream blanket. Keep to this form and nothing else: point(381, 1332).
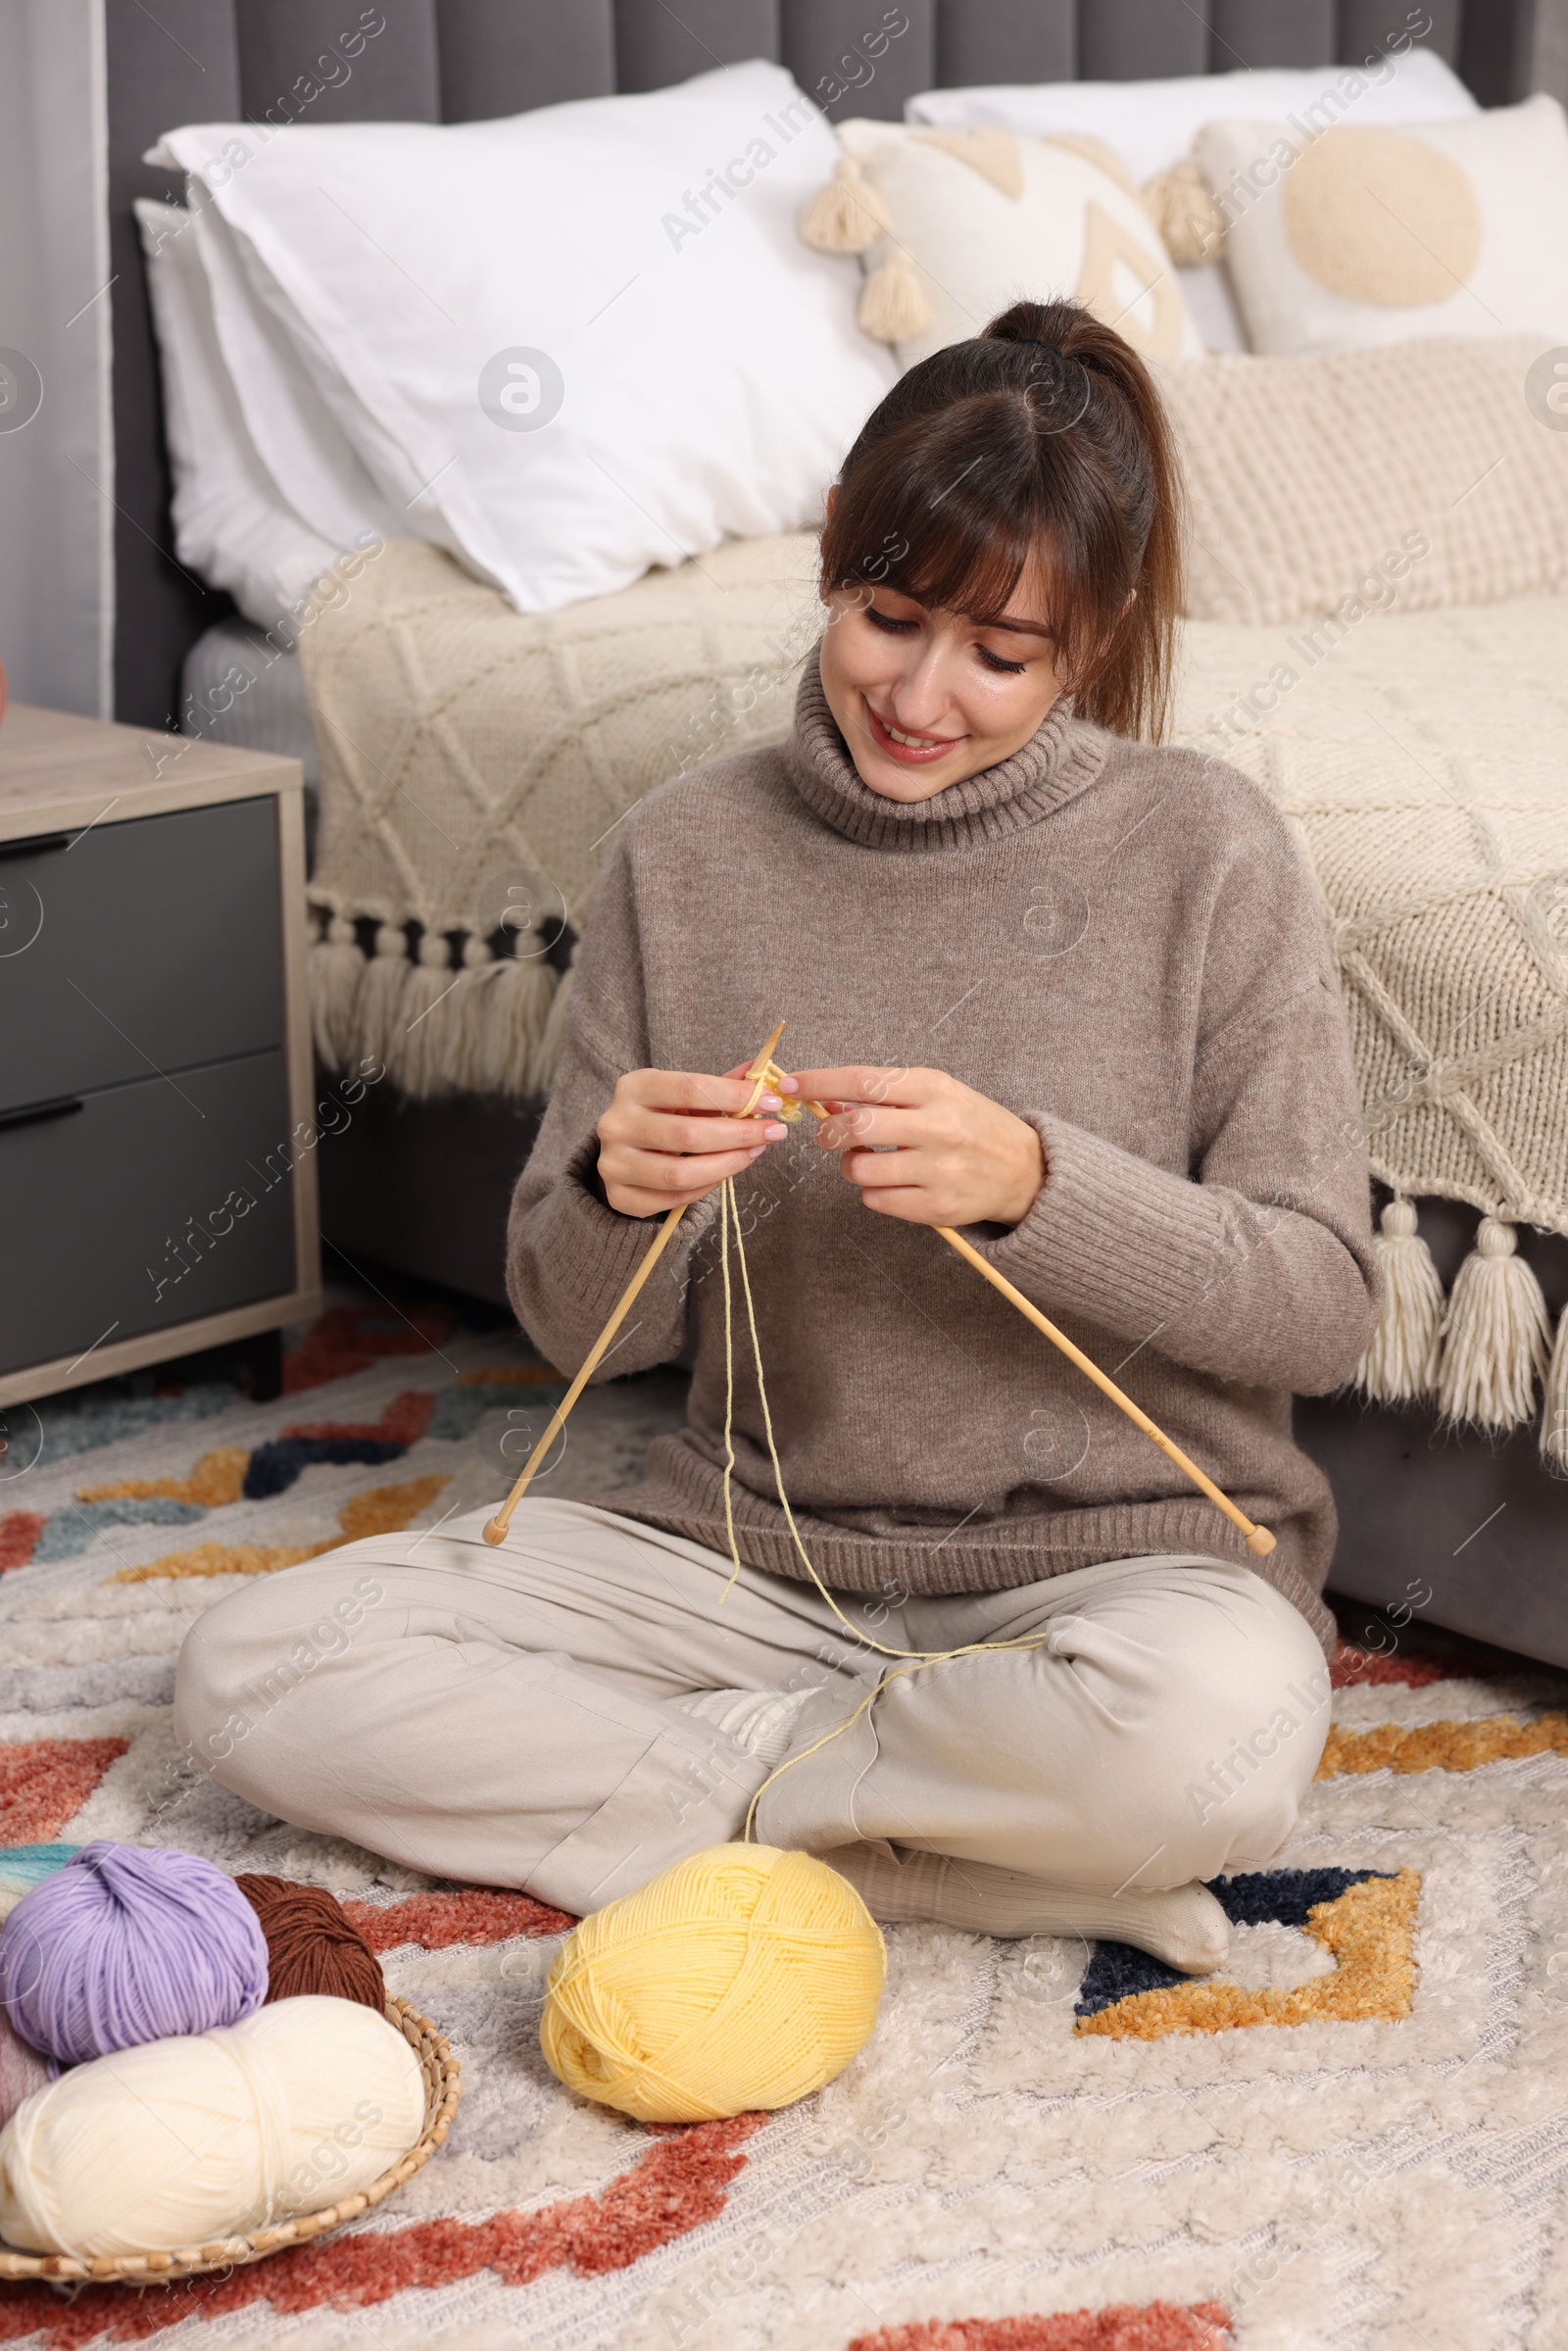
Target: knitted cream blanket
point(1423, 760)
point(475, 762)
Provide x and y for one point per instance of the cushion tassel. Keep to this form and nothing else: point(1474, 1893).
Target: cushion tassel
point(893, 303)
point(518, 995)
point(377, 1010)
point(1495, 1335)
point(336, 972)
point(1406, 1352)
point(1182, 208)
point(1554, 1412)
point(848, 215)
point(422, 1055)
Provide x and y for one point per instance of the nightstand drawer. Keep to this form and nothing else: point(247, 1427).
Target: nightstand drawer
point(147, 946)
point(125, 1209)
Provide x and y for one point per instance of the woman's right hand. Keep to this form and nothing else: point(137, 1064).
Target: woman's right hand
point(660, 1144)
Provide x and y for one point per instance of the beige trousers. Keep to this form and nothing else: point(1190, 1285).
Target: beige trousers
point(513, 1716)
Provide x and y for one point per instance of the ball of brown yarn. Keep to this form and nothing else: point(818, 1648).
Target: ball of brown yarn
point(311, 1946)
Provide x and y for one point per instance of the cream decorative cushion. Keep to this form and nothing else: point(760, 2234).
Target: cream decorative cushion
point(1370, 234)
point(976, 218)
point(1407, 477)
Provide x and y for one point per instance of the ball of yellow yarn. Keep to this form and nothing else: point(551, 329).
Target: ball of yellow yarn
point(742, 1978)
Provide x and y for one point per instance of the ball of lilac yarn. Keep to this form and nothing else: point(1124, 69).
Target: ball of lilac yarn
point(130, 1944)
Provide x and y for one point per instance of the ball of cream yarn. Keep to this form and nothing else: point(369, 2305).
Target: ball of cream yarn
point(742, 1978)
point(187, 2141)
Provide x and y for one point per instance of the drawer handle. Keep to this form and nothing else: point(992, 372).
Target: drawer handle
point(37, 846)
point(30, 1113)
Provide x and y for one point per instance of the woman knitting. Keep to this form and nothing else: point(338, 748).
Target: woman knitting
point(1093, 1024)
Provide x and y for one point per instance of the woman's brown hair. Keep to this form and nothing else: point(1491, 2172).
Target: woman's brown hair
point(1045, 434)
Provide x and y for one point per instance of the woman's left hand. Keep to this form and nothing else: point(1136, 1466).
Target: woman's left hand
point(923, 1147)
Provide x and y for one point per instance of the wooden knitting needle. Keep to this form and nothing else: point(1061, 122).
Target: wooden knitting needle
point(1259, 1541)
point(496, 1528)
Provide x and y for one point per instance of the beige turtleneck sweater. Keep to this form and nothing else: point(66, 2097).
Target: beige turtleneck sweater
point(1121, 944)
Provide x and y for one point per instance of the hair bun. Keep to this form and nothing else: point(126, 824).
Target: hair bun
point(1027, 323)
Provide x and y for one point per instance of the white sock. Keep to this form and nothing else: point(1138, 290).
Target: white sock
point(1186, 1926)
point(759, 1720)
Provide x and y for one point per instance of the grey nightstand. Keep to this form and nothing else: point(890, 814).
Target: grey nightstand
point(157, 1191)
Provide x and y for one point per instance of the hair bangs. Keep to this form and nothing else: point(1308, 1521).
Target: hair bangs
point(947, 529)
point(976, 511)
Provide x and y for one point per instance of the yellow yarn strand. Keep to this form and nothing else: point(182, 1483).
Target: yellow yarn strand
point(915, 1660)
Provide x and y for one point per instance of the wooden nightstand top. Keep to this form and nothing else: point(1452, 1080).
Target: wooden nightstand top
point(57, 772)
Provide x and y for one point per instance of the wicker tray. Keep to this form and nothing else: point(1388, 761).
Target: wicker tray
point(440, 2070)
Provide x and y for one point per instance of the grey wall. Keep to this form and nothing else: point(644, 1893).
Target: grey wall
point(57, 475)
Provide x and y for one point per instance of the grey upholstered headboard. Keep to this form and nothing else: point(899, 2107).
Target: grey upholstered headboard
point(452, 60)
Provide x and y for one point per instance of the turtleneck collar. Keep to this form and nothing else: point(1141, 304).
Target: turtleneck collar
point(1057, 762)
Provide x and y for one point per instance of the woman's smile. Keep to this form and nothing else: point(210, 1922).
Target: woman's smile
point(914, 749)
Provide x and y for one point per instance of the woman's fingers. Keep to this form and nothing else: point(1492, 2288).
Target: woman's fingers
point(678, 1171)
point(647, 1183)
point(691, 1091)
point(679, 1112)
point(671, 1135)
point(908, 1201)
point(876, 1169)
point(666, 1131)
point(863, 1082)
point(851, 1125)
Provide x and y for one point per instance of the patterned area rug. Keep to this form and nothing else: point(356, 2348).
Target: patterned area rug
point(1356, 2137)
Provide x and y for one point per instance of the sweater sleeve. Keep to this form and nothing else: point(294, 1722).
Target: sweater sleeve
point(569, 1255)
point(1259, 1267)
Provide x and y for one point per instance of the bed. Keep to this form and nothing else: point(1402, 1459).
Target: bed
point(472, 758)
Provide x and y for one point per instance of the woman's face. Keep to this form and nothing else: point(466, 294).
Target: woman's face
point(925, 697)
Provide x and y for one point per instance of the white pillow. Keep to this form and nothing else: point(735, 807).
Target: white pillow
point(1151, 124)
point(1367, 236)
point(582, 340)
point(233, 525)
point(980, 218)
point(296, 435)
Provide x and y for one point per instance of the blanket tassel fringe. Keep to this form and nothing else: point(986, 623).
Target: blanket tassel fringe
point(420, 1060)
point(1404, 1359)
point(337, 968)
point(510, 1012)
point(1555, 1410)
point(1495, 1334)
point(493, 1025)
point(1481, 1354)
point(379, 1007)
